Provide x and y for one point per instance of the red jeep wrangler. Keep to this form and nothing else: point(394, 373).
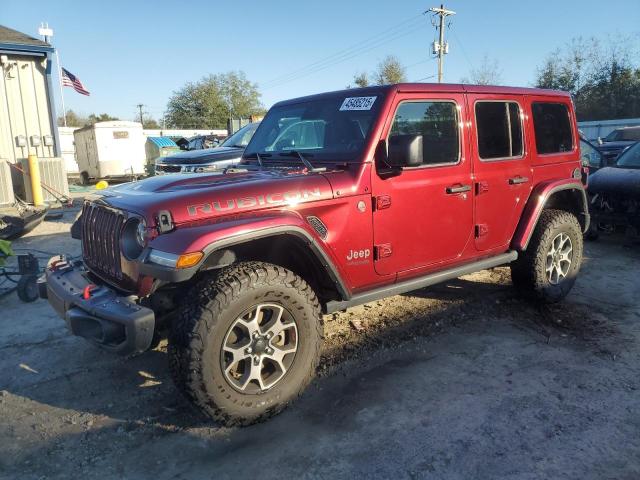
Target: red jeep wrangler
point(340, 199)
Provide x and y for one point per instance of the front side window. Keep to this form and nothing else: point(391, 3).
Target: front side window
point(552, 127)
point(332, 128)
point(613, 136)
point(499, 130)
point(437, 123)
point(241, 138)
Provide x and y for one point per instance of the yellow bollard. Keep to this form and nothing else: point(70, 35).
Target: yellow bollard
point(34, 176)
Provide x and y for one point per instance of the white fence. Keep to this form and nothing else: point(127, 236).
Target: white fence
point(601, 128)
point(167, 132)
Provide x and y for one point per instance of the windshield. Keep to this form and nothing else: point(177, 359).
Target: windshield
point(327, 128)
point(624, 134)
point(630, 158)
point(242, 137)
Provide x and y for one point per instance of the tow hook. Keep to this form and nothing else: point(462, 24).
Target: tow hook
point(86, 293)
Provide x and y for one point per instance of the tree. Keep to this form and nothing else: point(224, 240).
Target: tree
point(361, 79)
point(210, 102)
point(150, 124)
point(489, 73)
point(75, 120)
point(390, 70)
point(103, 117)
point(603, 78)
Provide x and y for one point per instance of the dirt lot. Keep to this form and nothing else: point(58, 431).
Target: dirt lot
point(460, 381)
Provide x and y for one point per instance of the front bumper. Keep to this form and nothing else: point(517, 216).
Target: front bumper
point(96, 312)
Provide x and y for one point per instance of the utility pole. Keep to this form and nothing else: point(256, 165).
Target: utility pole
point(140, 105)
point(440, 48)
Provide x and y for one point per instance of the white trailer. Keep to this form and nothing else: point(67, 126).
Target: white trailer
point(110, 150)
point(68, 150)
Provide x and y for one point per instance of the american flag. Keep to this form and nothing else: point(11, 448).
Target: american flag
point(70, 80)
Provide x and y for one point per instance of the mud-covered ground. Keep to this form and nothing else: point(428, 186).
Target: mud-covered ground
point(464, 380)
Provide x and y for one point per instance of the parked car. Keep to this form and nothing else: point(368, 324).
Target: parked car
point(341, 199)
point(591, 157)
point(615, 195)
point(211, 159)
point(199, 142)
point(615, 143)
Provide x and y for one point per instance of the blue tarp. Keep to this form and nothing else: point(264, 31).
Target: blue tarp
point(162, 141)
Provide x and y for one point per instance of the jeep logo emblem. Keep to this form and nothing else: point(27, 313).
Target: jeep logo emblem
point(356, 254)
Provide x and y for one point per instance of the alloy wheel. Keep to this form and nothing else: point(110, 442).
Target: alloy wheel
point(259, 348)
point(559, 258)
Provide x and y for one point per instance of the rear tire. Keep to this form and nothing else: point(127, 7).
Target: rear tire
point(246, 343)
point(28, 288)
point(547, 269)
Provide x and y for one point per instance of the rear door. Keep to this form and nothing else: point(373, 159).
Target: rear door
point(424, 215)
point(501, 163)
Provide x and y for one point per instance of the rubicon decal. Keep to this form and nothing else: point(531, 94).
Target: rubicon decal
point(280, 198)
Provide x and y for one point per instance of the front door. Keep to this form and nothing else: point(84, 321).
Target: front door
point(501, 165)
point(423, 216)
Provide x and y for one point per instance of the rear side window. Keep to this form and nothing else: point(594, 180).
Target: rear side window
point(630, 134)
point(499, 129)
point(437, 122)
point(552, 127)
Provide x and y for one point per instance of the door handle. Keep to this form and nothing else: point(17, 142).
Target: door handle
point(457, 189)
point(518, 180)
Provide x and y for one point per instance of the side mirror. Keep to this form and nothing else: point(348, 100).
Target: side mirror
point(600, 142)
point(405, 151)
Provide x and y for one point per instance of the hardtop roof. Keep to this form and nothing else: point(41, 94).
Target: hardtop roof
point(429, 88)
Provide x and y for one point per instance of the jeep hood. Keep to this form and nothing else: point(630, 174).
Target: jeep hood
point(200, 196)
point(208, 155)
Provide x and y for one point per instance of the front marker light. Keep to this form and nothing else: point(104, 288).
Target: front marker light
point(189, 259)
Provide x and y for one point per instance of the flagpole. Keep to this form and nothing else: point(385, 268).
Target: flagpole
point(64, 111)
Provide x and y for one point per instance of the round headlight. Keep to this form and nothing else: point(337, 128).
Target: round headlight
point(134, 238)
point(141, 234)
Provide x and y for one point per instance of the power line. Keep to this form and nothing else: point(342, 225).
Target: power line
point(425, 78)
point(464, 52)
point(344, 51)
point(340, 58)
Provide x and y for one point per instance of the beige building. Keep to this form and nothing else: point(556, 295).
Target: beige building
point(27, 110)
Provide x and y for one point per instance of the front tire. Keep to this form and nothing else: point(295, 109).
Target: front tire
point(548, 268)
point(246, 343)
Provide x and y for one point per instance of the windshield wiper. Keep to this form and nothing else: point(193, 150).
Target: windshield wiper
point(307, 163)
point(259, 158)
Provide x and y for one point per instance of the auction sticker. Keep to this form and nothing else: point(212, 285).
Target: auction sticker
point(357, 103)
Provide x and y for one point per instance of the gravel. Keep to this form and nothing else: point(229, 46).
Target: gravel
point(464, 380)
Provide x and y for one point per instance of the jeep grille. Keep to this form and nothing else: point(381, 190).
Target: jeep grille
point(101, 229)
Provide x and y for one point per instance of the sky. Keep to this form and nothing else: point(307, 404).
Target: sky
point(132, 52)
